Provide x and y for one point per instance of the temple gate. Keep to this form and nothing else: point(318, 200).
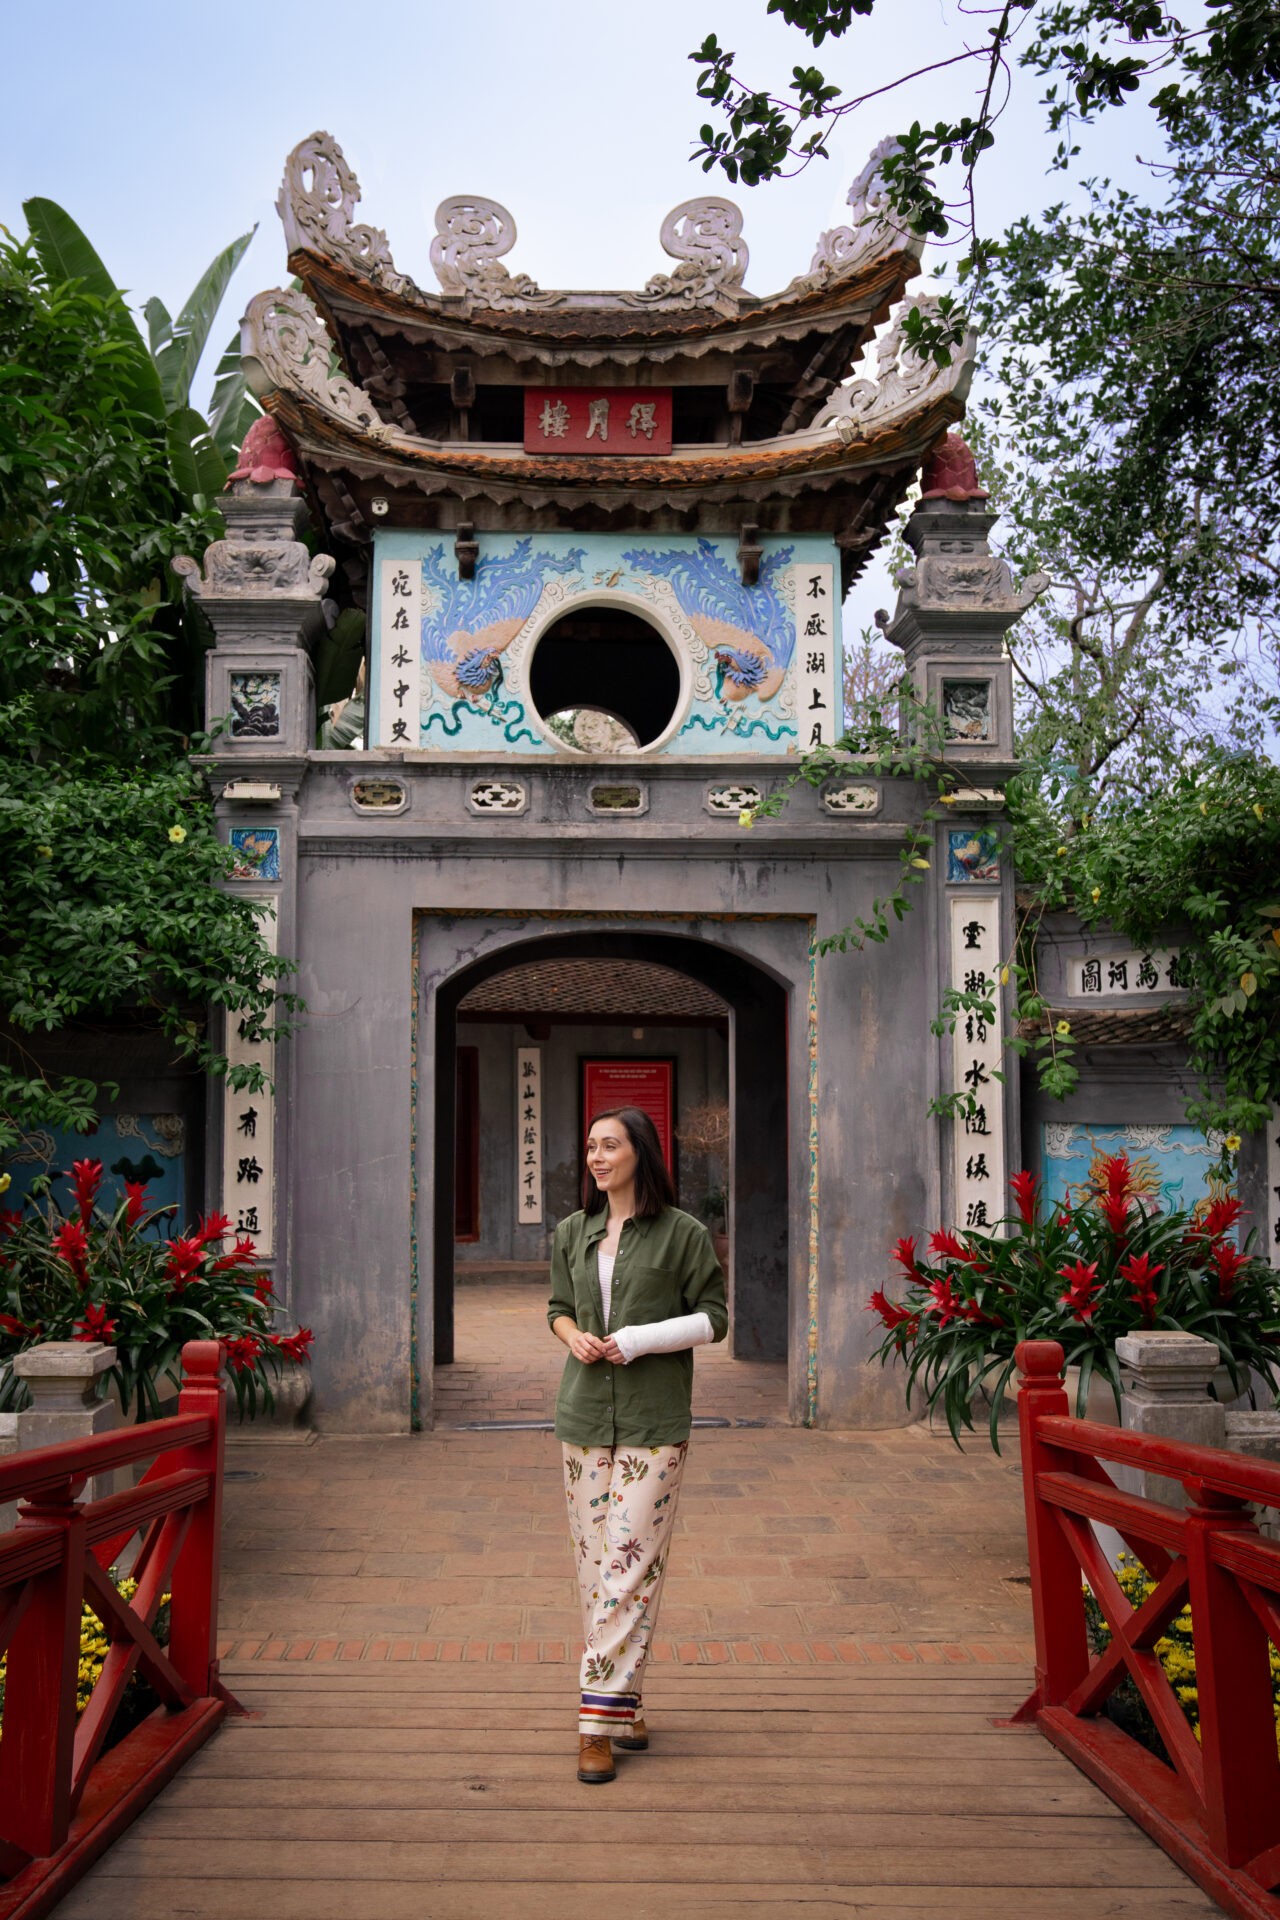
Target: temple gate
point(599, 542)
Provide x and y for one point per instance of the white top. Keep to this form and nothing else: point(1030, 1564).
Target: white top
point(604, 1263)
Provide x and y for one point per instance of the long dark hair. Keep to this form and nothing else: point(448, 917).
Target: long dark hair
point(654, 1190)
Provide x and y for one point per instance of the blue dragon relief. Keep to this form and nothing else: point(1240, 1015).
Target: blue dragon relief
point(471, 623)
point(749, 631)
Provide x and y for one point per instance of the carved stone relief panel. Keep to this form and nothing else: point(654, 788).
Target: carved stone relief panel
point(851, 797)
point(735, 798)
point(498, 796)
point(255, 706)
point(967, 710)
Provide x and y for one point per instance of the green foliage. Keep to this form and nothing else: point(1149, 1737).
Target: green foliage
point(118, 1277)
point(1202, 854)
point(1106, 1265)
point(113, 903)
point(112, 862)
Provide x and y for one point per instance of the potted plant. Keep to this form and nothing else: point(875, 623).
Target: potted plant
point(1082, 1274)
point(705, 1131)
point(120, 1277)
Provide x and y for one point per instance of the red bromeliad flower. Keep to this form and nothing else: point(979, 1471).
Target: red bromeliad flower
point(1140, 1274)
point(1081, 1296)
point(946, 1242)
point(904, 1253)
point(214, 1226)
point(947, 1303)
point(1024, 1192)
point(262, 1288)
point(1219, 1217)
point(243, 1254)
point(86, 1177)
point(10, 1217)
point(243, 1353)
point(294, 1346)
point(1117, 1174)
point(184, 1259)
point(95, 1325)
point(18, 1328)
point(890, 1312)
point(71, 1243)
point(1114, 1208)
point(137, 1202)
point(1226, 1261)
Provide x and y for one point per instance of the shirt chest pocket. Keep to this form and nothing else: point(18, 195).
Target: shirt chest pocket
point(645, 1294)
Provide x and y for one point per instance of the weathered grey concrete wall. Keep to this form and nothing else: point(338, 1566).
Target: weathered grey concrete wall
point(481, 887)
point(702, 1074)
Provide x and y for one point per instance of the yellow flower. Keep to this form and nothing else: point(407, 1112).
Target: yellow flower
point(46, 853)
point(947, 799)
point(1004, 976)
point(1063, 1028)
point(1062, 853)
point(1096, 894)
point(177, 835)
point(1260, 811)
point(921, 863)
point(1232, 1143)
point(6, 1181)
point(1204, 806)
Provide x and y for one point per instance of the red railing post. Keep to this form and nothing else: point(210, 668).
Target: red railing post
point(1233, 1681)
point(36, 1753)
point(1057, 1600)
point(193, 1615)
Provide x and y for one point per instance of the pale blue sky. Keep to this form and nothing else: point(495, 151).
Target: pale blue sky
point(163, 128)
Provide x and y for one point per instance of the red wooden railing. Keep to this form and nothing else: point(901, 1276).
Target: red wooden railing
point(62, 1800)
point(1216, 1809)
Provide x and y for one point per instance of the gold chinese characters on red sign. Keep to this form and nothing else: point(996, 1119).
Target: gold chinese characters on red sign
point(619, 420)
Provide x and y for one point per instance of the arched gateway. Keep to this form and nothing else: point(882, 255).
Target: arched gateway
point(601, 542)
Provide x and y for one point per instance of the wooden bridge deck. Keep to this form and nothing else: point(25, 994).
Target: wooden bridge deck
point(843, 1618)
point(445, 1792)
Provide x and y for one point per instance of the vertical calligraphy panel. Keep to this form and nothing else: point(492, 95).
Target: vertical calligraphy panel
point(978, 1158)
point(529, 1136)
point(248, 1131)
point(819, 718)
point(399, 653)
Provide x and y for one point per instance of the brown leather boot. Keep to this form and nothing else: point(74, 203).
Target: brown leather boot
point(595, 1759)
point(636, 1739)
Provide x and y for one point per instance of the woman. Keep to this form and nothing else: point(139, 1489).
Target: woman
point(634, 1286)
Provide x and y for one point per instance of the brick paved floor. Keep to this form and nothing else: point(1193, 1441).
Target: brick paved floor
point(792, 1546)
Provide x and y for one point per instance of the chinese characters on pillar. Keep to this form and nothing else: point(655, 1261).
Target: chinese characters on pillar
point(978, 1165)
point(248, 1130)
point(617, 420)
point(529, 1136)
point(399, 654)
point(819, 720)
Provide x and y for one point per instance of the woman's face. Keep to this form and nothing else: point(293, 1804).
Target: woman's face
point(611, 1157)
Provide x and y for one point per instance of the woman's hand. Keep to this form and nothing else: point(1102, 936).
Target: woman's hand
point(611, 1351)
point(583, 1346)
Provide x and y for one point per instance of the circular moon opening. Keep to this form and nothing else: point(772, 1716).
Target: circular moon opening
point(607, 662)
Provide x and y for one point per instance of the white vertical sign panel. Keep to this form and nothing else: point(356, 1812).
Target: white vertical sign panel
point(978, 1141)
point(819, 719)
point(248, 1131)
point(399, 654)
point(529, 1136)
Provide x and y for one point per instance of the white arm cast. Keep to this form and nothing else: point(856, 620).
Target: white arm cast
point(665, 1336)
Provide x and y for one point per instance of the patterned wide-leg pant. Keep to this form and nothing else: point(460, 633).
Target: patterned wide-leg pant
point(622, 1507)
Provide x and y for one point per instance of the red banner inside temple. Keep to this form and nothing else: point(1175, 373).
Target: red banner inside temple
point(631, 420)
point(647, 1084)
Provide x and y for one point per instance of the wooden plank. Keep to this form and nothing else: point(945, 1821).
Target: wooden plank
point(266, 1864)
point(125, 1898)
point(917, 1744)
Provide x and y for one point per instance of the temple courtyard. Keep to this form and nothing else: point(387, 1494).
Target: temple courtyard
point(845, 1622)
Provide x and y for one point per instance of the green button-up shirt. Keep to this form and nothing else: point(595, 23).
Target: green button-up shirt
point(665, 1266)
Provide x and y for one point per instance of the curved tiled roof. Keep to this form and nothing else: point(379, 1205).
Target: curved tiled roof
point(622, 989)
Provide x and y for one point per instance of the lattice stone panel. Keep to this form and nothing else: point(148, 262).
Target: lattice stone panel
point(734, 799)
point(498, 796)
point(852, 798)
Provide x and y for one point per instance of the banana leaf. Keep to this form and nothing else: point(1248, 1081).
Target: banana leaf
point(178, 356)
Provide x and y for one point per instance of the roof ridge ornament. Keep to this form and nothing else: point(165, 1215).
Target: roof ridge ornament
point(472, 234)
point(872, 233)
point(903, 380)
point(705, 236)
point(318, 195)
point(285, 347)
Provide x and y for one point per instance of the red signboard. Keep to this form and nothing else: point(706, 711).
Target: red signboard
point(647, 1084)
point(597, 420)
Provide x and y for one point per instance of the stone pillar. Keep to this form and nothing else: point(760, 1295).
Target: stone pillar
point(62, 1378)
point(262, 592)
point(1167, 1376)
point(954, 608)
